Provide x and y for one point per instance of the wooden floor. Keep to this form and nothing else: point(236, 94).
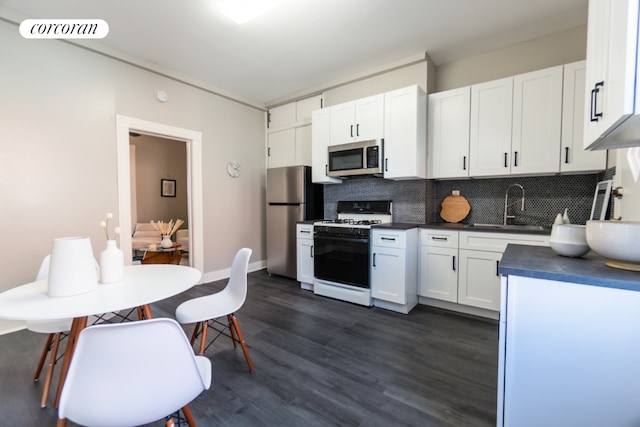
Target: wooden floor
point(319, 362)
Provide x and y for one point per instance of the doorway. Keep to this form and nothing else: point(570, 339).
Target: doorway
point(193, 142)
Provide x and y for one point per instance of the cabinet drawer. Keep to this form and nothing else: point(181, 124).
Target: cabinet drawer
point(497, 242)
point(439, 238)
point(304, 231)
point(389, 238)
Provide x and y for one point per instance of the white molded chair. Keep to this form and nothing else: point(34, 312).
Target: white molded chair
point(133, 373)
point(204, 311)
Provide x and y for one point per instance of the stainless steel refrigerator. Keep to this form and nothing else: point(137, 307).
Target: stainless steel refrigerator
point(291, 197)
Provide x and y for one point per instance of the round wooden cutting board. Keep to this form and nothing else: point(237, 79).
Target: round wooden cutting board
point(454, 208)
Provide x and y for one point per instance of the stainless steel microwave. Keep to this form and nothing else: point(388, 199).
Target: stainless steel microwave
point(356, 158)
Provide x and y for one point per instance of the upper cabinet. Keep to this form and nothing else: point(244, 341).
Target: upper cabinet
point(537, 113)
point(449, 133)
point(405, 133)
point(289, 133)
point(320, 140)
point(359, 120)
point(528, 124)
point(490, 127)
point(612, 110)
point(398, 117)
point(573, 158)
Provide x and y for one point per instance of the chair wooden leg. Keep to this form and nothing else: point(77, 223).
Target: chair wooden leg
point(203, 338)
point(170, 423)
point(188, 416)
point(50, 369)
point(62, 422)
point(43, 357)
point(234, 323)
point(232, 330)
point(139, 312)
point(78, 324)
point(194, 335)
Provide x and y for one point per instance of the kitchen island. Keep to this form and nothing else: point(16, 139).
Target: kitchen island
point(569, 340)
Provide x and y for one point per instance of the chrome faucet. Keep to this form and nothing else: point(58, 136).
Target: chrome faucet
point(506, 204)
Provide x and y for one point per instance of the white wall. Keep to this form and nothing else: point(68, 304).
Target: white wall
point(58, 151)
point(555, 49)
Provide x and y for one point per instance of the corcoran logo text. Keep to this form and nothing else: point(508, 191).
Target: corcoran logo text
point(64, 29)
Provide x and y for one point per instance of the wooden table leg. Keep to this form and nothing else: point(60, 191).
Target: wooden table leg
point(78, 324)
point(147, 311)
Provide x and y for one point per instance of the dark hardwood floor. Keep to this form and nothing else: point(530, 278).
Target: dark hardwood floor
point(318, 362)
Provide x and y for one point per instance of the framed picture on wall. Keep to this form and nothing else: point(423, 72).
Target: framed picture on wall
point(168, 187)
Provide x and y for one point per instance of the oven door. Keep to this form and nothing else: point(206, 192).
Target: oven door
point(341, 259)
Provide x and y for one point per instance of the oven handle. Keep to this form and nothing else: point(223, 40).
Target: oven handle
point(340, 238)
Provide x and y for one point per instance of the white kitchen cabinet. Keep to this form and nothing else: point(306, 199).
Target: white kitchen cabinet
point(305, 107)
point(573, 158)
point(480, 253)
point(438, 269)
point(281, 148)
point(612, 102)
point(490, 128)
point(359, 120)
point(289, 147)
point(320, 140)
point(394, 269)
point(448, 133)
point(281, 117)
point(568, 354)
point(405, 138)
point(479, 281)
point(304, 255)
point(537, 113)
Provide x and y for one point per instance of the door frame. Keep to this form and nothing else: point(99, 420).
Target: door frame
point(193, 140)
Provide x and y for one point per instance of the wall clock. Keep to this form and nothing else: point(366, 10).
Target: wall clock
point(233, 169)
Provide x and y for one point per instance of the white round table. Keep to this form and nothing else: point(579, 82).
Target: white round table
point(142, 285)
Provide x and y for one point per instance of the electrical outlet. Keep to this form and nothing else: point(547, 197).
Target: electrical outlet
point(455, 192)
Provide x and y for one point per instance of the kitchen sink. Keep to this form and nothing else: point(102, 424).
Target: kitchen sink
point(510, 227)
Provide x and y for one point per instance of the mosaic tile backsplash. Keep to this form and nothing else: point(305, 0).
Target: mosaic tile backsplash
point(418, 201)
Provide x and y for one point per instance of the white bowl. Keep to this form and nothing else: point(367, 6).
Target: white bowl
point(569, 240)
point(619, 241)
point(569, 249)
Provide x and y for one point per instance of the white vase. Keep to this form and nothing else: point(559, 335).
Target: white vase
point(166, 242)
point(111, 263)
point(72, 269)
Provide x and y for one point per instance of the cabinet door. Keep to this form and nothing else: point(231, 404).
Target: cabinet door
point(320, 137)
point(611, 65)
point(573, 158)
point(478, 279)
point(388, 274)
point(439, 273)
point(405, 139)
point(537, 110)
point(304, 253)
point(281, 149)
point(448, 129)
point(369, 118)
point(303, 145)
point(306, 106)
point(343, 118)
point(283, 116)
point(490, 128)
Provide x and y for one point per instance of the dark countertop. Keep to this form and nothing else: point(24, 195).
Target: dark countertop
point(308, 221)
point(396, 226)
point(546, 231)
point(540, 262)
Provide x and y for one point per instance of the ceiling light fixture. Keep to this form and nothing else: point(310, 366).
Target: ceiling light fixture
point(242, 11)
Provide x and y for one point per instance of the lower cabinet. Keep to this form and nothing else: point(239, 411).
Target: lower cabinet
point(478, 279)
point(394, 269)
point(461, 267)
point(304, 255)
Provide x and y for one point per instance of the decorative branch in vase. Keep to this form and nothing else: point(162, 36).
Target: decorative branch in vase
point(112, 257)
point(167, 229)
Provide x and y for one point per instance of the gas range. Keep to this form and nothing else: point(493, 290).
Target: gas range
point(361, 214)
point(341, 250)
